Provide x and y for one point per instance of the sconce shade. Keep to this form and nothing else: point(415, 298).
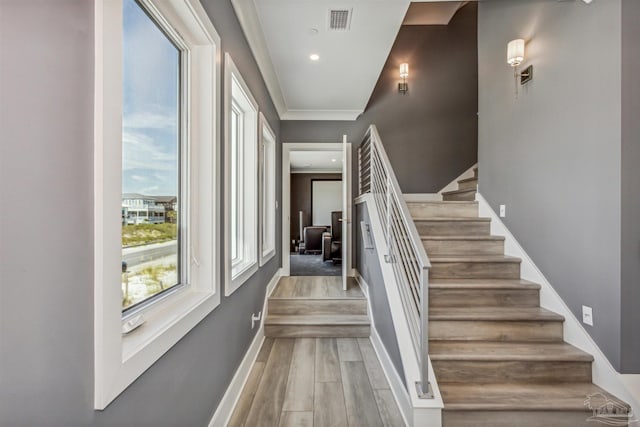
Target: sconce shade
point(515, 52)
point(404, 70)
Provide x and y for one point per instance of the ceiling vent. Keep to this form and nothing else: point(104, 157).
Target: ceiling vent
point(339, 19)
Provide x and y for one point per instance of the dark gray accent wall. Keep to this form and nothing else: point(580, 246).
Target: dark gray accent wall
point(368, 265)
point(552, 154)
point(46, 246)
point(301, 198)
point(430, 134)
point(630, 186)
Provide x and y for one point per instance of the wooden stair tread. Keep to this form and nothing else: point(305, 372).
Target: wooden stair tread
point(520, 396)
point(476, 258)
point(537, 314)
point(442, 202)
point(323, 299)
point(506, 351)
point(457, 237)
point(317, 319)
point(482, 284)
point(452, 219)
point(473, 178)
point(468, 190)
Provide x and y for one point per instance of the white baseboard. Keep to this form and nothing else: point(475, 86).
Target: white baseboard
point(230, 399)
point(625, 387)
point(393, 378)
point(453, 185)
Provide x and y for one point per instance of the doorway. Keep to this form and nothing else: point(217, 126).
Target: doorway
point(312, 174)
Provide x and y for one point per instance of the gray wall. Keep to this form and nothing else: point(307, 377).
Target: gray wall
point(46, 247)
point(430, 134)
point(369, 268)
point(630, 186)
point(552, 154)
point(301, 198)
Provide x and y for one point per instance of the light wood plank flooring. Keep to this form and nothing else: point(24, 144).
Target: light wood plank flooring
point(316, 287)
point(316, 382)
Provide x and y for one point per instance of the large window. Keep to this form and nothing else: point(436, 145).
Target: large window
point(241, 111)
point(155, 161)
point(267, 191)
point(152, 147)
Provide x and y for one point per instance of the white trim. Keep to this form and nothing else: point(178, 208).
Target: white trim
point(426, 412)
point(393, 378)
point(453, 185)
point(604, 374)
point(327, 171)
point(119, 360)
point(231, 396)
point(250, 230)
point(287, 148)
point(337, 115)
point(264, 126)
point(252, 28)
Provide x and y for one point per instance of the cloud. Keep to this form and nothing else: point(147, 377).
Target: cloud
point(141, 151)
point(149, 120)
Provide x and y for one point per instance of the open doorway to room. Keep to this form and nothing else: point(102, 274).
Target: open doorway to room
point(314, 196)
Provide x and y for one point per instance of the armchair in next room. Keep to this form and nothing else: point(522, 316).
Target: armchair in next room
point(332, 241)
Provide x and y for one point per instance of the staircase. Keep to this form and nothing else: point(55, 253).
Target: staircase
point(499, 358)
point(305, 307)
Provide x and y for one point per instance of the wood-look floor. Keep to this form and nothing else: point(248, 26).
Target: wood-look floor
point(316, 287)
point(319, 382)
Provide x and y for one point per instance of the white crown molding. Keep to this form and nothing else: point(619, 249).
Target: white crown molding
point(339, 115)
point(252, 28)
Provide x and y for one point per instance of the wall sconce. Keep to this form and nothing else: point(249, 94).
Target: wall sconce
point(404, 73)
point(515, 56)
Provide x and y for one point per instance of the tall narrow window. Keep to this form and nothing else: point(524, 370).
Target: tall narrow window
point(241, 111)
point(268, 191)
point(156, 108)
point(153, 225)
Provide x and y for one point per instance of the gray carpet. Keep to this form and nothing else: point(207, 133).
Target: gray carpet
point(312, 265)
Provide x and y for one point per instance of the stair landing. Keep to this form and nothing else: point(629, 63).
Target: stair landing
point(317, 306)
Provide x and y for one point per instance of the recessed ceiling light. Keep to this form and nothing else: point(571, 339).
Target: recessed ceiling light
point(314, 57)
point(333, 160)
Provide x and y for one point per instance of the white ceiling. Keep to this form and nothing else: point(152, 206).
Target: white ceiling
point(338, 86)
point(316, 161)
point(430, 13)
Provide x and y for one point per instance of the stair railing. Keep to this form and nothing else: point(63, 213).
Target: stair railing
point(404, 250)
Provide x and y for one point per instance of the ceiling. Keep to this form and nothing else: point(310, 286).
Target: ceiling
point(316, 161)
point(284, 33)
point(432, 13)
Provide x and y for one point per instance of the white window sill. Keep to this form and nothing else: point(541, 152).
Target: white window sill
point(175, 316)
point(266, 256)
point(240, 276)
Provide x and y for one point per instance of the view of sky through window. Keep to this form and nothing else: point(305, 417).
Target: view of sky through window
point(150, 158)
point(150, 106)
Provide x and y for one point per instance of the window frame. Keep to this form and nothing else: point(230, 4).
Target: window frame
point(120, 359)
point(183, 237)
point(267, 175)
point(249, 202)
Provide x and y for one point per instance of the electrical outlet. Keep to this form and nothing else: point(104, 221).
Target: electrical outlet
point(503, 211)
point(255, 319)
point(587, 315)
